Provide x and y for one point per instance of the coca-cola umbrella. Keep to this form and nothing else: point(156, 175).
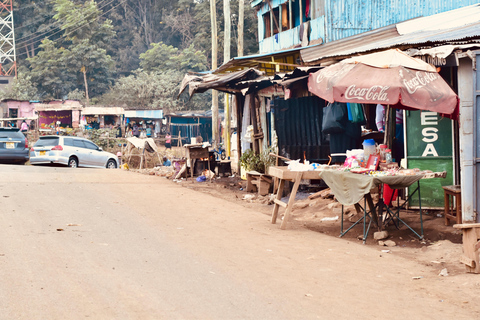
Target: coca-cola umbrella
point(390, 78)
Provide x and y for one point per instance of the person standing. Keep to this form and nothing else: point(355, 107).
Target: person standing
point(24, 126)
point(119, 131)
point(135, 131)
point(148, 130)
point(168, 141)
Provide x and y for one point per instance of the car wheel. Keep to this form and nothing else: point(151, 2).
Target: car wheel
point(72, 162)
point(111, 164)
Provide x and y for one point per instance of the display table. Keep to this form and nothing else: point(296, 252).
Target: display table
point(283, 174)
point(196, 151)
point(350, 188)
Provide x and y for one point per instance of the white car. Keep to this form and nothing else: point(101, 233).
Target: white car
point(71, 151)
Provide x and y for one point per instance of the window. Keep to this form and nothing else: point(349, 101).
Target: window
point(46, 142)
point(68, 142)
point(266, 23)
point(78, 143)
point(91, 145)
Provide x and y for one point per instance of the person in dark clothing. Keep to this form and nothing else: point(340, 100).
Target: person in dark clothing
point(135, 131)
point(119, 132)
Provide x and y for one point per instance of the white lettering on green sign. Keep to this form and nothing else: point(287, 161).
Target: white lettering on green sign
point(429, 134)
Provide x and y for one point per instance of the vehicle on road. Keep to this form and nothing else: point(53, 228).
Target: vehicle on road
point(13, 146)
point(71, 151)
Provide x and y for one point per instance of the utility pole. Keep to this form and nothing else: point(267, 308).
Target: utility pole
point(213, 17)
point(226, 58)
point(7, 39)
point(241, 12)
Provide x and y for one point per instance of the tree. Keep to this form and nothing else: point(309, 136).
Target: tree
point(21, 89)
point(80, 59)
point(158, 83)
point(48, 71)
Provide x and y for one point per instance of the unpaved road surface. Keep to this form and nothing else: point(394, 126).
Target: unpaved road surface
point(111, 244)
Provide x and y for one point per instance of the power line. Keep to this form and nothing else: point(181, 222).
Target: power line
point(30, 24)
point(29, 41)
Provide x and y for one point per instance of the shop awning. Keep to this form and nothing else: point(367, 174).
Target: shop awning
point(148, 143)
point(220, 82)
point(57, 107)
point(144, 114)
point(103, 111)
point(455, 26)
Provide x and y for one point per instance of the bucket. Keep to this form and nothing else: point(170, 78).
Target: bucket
point(193, 140)
point(368, 148)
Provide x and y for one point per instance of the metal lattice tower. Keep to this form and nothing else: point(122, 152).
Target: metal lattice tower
point(8, 57)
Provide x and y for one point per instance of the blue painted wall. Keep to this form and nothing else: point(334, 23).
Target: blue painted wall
point(344, 18)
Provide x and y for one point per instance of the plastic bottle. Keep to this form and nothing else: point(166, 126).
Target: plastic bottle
point(388, 156)
point(368, 148)
point(382, 151)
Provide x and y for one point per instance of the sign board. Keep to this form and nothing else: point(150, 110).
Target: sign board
point(429, 147)
point(450, 61)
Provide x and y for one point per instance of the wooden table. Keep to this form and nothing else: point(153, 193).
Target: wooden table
point(283, 174)
point(196, 151)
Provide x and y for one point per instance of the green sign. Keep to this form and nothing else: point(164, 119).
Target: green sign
point(429, 147)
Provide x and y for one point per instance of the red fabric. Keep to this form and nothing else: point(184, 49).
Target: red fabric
point(389, 194)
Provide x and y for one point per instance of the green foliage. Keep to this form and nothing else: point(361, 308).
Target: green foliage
point(99, 137)
point(257, 162)
point(163, 58)
point(21, 89)
point(110, 40)
point(76, 95)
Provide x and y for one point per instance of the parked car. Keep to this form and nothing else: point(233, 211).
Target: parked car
point(13, 146)
point(71, 151)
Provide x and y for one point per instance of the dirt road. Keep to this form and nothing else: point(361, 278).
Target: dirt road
point(111, 244)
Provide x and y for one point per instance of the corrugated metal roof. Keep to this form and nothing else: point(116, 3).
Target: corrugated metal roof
point(149, 114)
point(431, 30)
point(103, 110)
point(256, 60)
point(255, 3)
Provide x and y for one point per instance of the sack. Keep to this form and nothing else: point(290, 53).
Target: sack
point(334, 118)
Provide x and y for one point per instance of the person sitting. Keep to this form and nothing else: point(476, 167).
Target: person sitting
point(166, 162)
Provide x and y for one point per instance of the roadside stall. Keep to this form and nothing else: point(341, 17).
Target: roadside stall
point(397, 81)
point(100, 117)
point(61, 115)
point(144, 119)
point(136, 148)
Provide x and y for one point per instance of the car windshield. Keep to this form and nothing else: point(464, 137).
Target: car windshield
point(46, 142)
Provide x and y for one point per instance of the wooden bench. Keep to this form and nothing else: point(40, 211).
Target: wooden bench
point(454, 192)
point(258, 182)
point(471, 246)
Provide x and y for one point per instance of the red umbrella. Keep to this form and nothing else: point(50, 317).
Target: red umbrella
point(390, 78)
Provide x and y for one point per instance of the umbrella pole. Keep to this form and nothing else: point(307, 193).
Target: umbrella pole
point(389, 126)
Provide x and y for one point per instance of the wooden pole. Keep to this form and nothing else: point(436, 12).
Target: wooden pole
point(213, 17)
point(226, 58)
point(241, 11)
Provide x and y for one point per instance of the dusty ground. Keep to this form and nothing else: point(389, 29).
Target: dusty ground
point(113, 244)
point(440, 248)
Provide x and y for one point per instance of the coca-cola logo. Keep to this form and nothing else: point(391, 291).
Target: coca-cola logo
point(420, 80)
point(374, 93)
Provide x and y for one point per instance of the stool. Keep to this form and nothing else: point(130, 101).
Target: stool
point(471, 246)
point(453, 191)
point(257, 181)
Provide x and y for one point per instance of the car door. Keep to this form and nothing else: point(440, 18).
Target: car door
point(80, 151)
point(96, 157)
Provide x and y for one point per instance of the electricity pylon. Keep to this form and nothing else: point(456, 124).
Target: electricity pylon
point(8, 60)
